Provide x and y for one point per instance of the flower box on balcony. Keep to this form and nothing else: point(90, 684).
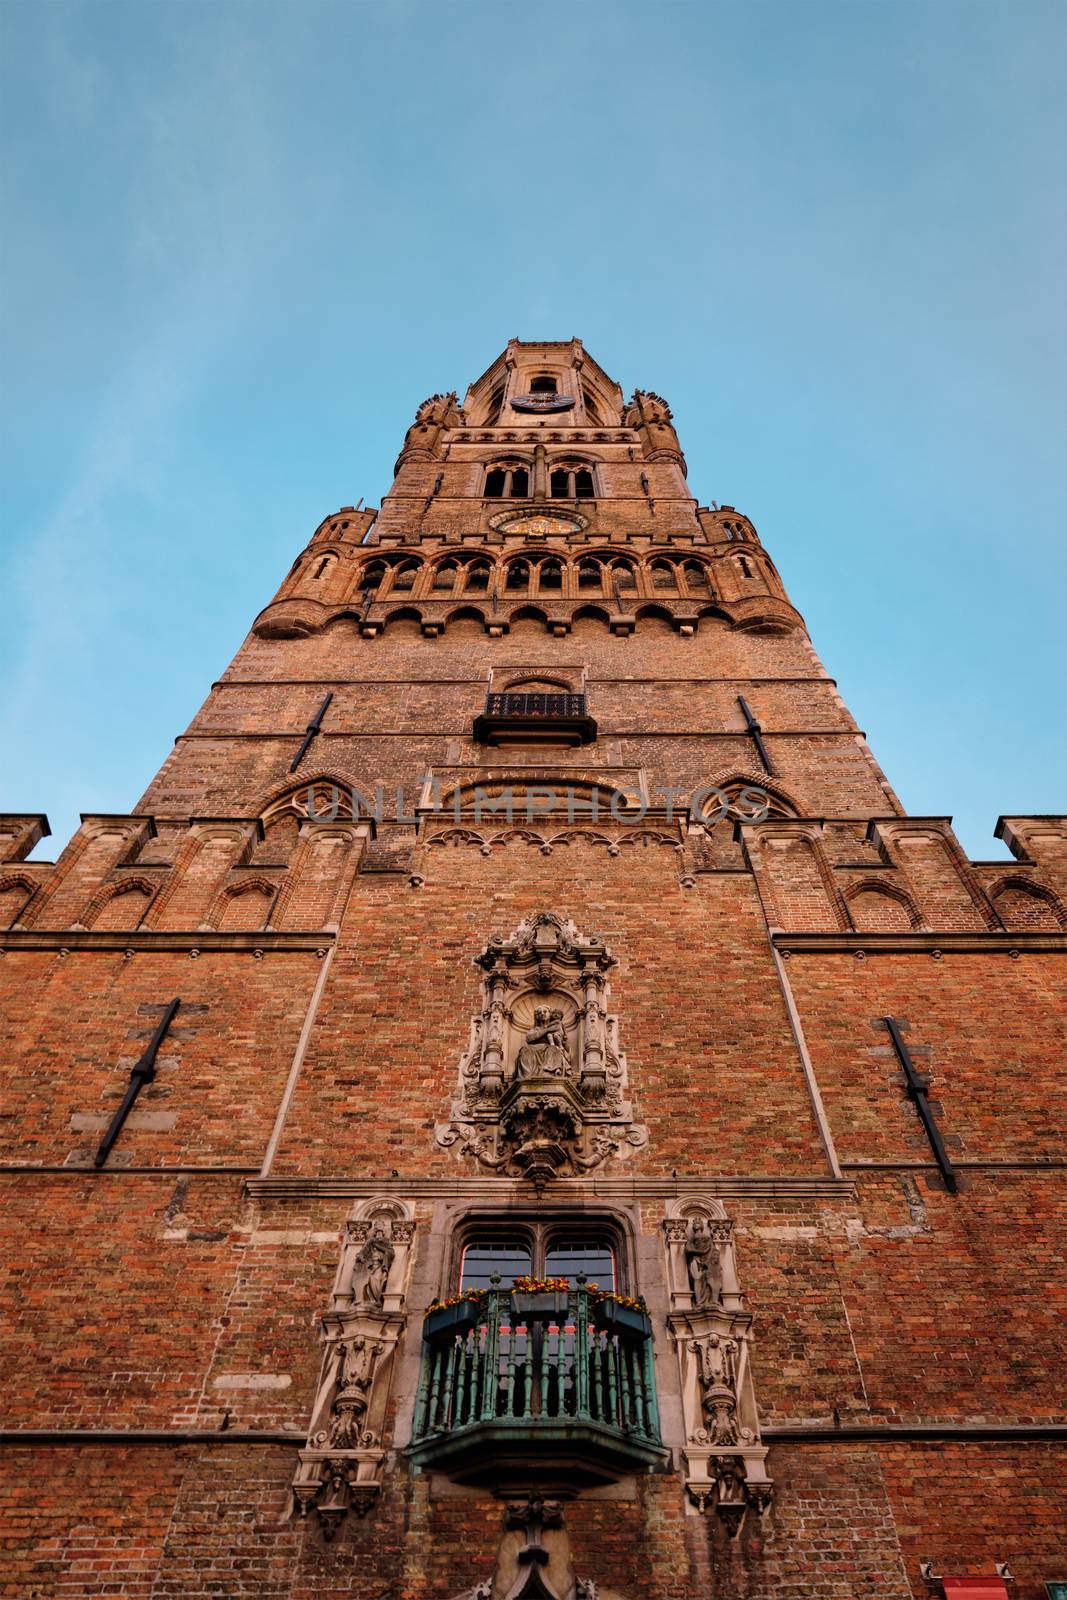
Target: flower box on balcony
point(458, 1318)
point(616, 1318)
point(539, 1306)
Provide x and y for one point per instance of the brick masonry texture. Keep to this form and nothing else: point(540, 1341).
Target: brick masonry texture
point(324, 963)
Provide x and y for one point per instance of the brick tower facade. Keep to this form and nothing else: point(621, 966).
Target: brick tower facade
point(518, 1109)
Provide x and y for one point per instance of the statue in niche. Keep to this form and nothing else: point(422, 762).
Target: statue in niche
point(718, 1380)
point(702, 1261)
point(370, 1272)
point(546, 1053)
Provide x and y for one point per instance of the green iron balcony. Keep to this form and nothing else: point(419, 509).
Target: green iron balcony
point(549, 1389)
point(534, 718)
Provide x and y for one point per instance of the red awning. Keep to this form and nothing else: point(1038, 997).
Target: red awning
point(975, 1589)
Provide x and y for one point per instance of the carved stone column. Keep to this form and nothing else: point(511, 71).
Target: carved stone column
point(340, 1466)
point(725, 1458)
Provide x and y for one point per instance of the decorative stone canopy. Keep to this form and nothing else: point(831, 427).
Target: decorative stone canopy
point(542, 1084)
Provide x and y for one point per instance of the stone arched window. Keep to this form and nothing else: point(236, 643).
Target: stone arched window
point(572, 480)
point(696, 577)
point(518, 575)
point(550, 575)
point(507, 480)
point(663, 575)
point(543, 384)
point(445, 574)
point(373, 575)
point(590, 575)
point(404, 576)
point(623, 575)
point(478, 575)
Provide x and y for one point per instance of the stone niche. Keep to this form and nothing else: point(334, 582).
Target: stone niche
point(725, 1459)
point(543, 1084)
point(340, 1467)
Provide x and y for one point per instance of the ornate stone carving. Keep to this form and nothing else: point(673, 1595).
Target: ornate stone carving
point(340, 1467)
point(543, 1082)
point(725, 1458)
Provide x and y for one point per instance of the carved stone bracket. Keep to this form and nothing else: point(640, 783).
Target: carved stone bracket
point(542, 1086)
point(339, 1469)
point(725, 1458)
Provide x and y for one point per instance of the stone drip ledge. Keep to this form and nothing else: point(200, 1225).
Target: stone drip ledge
point(924, 943)
point(317, 941)
point(567, 1190)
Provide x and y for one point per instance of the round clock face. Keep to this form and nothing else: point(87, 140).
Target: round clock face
point(542, 402)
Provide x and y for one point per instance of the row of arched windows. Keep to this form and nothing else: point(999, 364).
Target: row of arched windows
point(538, 575)
point(511, 481)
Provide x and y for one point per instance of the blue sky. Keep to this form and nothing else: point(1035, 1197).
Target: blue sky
point(242, 241)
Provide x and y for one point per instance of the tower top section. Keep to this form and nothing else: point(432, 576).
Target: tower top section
point(545, 378)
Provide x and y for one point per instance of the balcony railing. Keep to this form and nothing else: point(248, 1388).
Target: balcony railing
point(535, 718)
point(539, 704)
point(522, 1390)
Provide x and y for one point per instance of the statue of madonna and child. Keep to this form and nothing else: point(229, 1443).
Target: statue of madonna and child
point(545, 1053)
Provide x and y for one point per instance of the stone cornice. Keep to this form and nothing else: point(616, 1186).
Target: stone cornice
point(279, 1186)
point(317, 941)
point(919, 943)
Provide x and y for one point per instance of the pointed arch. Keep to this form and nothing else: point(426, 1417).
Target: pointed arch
point(734, 782)
point(594, 613)
point(16, 891)
point(465, 614)
point(654, 613)
point(105, 910)
point(404, 614)
point(868, 901)
point(331, 794)
point(1022, 905)
point(228, 911)
point(529, 614)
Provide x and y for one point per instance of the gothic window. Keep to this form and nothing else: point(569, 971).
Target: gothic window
point(404, 577)
point(543, 385)
point(550, 575)
point(518, 575)
point(571, 483)
point(507, 483)
point(445, 576)
point(696, 576)
point(624, 576)
point(589, 575)
point(745, 568)
point(478, 575)
point(590, 409)
point(323, 567)
point(663, 575)
point(373, 574)
point(496, 405)
point(550, 1250)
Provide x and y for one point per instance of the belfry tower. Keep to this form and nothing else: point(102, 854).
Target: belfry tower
point(518, 1110)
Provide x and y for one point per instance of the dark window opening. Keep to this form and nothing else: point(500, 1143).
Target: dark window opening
point(583, 485)
point(494, 484)
point(550, 575)
point(695, 575)
point(543, 385)
point(405, 577)
point(482, 1258)
point(445, 576)
point(478, 577)
point(624, 576)
point(518, 575)
point(593, 1255)
point(321, 568)
point(519, 483)
point(496, 405)
point(559, 485)
point(373, 575)
point(745, 567)
point(589, 575)
point(663, 575)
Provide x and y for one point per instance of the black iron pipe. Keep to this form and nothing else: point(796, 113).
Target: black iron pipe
point(756, 731)
point(312, 729)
